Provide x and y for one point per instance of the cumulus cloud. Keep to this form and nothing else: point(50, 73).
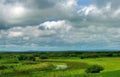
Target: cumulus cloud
point(115, 4)
point(105, 12)
point(93, 10)
point(14, 34)
point(60, 23)
point(93, 34)
point(46, 28)
point(45, 31)
point(34, 11)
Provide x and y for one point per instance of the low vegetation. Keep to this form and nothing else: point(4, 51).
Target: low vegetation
point(60, 64)
point(94, 69)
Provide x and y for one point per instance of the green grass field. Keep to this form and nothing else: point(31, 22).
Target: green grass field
point(59, 67)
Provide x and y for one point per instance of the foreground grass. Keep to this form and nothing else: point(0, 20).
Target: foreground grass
point(76, 68)
point(107, 74)
point(109, 63)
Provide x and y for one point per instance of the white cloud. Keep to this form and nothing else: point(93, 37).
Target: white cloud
point(116, 13)
point(69, 4)
point(0, 36)
point(102, 12)
point(87, 10)
point(93, 33)
point(38, 31)
point(15, 34)
point(94, 11)
point(63, 30)
point(98, 21)
point(18, 13)
point(57, 25)
point(28, 31)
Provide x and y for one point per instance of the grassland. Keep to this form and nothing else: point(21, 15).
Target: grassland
point(12, 66)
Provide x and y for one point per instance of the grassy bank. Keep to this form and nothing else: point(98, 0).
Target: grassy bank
point(32, 65)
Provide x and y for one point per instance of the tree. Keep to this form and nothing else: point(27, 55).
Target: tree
point(43, 57)
point(94, 69)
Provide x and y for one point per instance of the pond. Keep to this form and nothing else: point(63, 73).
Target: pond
point(61, 67)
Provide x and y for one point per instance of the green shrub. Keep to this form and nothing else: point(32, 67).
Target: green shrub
point(91, 55)
point(76, 65)
point(0, 57)
point(2, 67)
point(24, 57)
point(109, 54)
point(94, 69)
point(48, 67)
point(43, 57)
point(29, 62)
point(82, 57)
point(32, 58)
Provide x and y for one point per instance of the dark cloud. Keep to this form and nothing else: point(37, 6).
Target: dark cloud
point(31, 3)
point(35, 11)
point(39, 4)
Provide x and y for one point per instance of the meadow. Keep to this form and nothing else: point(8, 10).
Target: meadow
point(59, 64)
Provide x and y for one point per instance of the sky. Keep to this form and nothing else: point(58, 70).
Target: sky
point(46, 25)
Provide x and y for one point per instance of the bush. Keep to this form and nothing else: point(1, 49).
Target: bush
point(76, 65)
point(32, 58)
point(94, 69)
point(109, 54)
point(2, 67)
point(23, 57)
point(47, 67)
point(91, 55)
point(43, 57)
point(0, 57)
point(82, 57)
